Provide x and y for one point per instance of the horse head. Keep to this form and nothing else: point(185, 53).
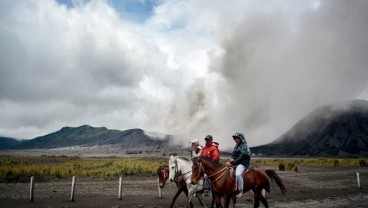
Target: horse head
point(180, 166)
point(197, 170)
point(163, 175)
point(173, 167)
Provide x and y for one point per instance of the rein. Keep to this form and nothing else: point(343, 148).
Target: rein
point(223, 170)
point(214, 180)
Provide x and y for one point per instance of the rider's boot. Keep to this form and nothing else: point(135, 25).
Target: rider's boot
point(240, 194)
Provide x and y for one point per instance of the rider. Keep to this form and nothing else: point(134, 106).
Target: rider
point(196, 149)
point(240, 158)
point(211, 151)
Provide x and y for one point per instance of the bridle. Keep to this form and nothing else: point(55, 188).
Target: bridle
point(179, 173)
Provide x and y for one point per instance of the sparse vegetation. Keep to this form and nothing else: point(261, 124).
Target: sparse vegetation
point(21, 168)
point(44, 168)
point(292, 165)
point(281, 166)
point(363, 163)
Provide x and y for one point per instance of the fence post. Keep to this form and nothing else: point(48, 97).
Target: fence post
point(31, 189)
point(119, 194)
point(73, 190)
point(358, 180)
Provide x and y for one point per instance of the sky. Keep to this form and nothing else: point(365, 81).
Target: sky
point(181, 67)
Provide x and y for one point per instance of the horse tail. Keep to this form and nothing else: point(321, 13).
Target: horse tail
point(274, 177)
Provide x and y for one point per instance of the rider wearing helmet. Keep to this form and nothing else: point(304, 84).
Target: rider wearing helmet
point(240, 158)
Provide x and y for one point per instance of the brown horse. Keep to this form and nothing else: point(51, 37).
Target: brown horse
point(163, 175)
point(223, 182)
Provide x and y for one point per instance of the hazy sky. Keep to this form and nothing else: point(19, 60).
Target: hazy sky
point(186, 67)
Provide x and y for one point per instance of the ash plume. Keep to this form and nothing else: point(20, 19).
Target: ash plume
point(271, 71)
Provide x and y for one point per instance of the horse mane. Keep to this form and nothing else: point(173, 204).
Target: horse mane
point(217, 164)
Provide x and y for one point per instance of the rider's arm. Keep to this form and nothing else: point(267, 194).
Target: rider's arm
point(239, 159)
point(197, 152)
point(215, 154)
point(233, 154)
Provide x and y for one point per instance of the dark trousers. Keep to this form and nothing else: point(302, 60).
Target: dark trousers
point(207, 184)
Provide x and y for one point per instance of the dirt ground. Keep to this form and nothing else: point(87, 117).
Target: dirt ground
point(310, 187)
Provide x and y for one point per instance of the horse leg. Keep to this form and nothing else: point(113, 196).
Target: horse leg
point(263, 199)
point(256, 199)
point(199, 197)
point(218, 202)
point(177, 194)
point(258, 196)
point(256, 202)
point(189, 193)
point(213, 200)
point(233, 197)
point(227, 200)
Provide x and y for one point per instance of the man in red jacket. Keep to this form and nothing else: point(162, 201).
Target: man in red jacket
point(211, 151)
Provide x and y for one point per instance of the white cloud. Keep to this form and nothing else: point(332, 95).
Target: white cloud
point(86, 57)
point(194, 67)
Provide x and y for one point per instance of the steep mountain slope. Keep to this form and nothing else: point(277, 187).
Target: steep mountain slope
point(339, 130)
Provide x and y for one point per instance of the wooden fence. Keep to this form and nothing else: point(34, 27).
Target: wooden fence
point(73, 187)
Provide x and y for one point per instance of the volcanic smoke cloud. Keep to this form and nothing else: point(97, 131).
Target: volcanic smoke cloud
point(272, 70)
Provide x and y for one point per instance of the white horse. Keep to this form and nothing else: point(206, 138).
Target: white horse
point(183, 166)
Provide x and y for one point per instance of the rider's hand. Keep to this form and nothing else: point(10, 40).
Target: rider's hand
point(228, 164)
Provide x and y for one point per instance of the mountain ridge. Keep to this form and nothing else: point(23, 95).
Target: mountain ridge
point(337, 130)
point(97, 139)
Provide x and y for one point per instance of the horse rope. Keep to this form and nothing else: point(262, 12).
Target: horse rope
point(222, 170)
point(212, 175)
